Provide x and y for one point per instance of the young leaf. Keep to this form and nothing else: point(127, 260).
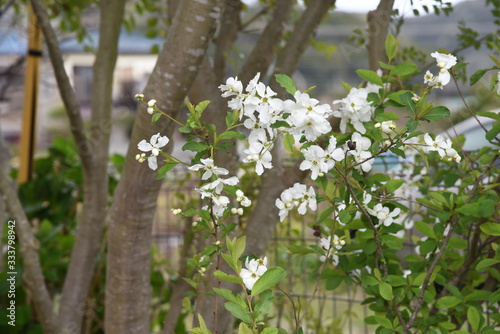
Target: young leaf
point(231, 135)
point(238, 312)
point(270, 278)
point(391, 46)
point(286, 82)
point(288, 142)
point(437, 113)
point(227, 278)
point(474, 319)
point(155, 118)
point(243, 329)
point(164, 169)
point(200, 107)
point(370, 76)
point(230, 297)
point(486, 263)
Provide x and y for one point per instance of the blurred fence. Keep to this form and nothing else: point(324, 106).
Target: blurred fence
point(330, 311)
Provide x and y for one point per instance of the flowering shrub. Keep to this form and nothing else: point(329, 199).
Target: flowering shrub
point(362, 223)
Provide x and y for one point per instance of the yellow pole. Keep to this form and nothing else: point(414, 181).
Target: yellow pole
point(28, 133)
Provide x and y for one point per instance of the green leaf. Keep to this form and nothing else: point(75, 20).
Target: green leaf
point(164, 169)
point(230, 297)
point(392, 185)
point(448, 302)
point(243, 329)
point(437, 113)
point(270, 330)
point(288, 142)
point(405, 68)
point(238, 312)
point(239, 248)
point(406, 99)
point(227, 278)
point(155, 118)
point(486, 263)
point(231, 135)
point(346, 86)
point(474, 318)
point(478, 75)
point(481, 208)
point(386, 291)
point(203, 329)
point(286, 82)
point(200, 107)
point(270, 278)
point(370, 76)
point(391, 46)
point(425, 229)
point(378, 320)
point(266, 302)
point(194, 146)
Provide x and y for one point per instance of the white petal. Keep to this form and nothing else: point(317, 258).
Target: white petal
point(144, 146)
point(152, 163)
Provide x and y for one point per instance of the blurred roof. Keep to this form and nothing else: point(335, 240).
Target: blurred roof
point(130, 43)
point(15, 43)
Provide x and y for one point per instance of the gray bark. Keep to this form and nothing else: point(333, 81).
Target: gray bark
point(378, 27)
point(129, 241)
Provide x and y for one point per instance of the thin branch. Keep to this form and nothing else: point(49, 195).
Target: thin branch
point(66, 90)
point(264, 50)
point(420, 299)
point(33, 275)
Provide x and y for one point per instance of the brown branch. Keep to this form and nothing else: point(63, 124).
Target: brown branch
point(264, 50)
point(229, 28)
point(378, 27)
point(95, 191)
point(297, 43)
point(66, 90)
point(33, 275)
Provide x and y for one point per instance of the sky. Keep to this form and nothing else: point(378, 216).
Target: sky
point(404, 6)
point(363, 6)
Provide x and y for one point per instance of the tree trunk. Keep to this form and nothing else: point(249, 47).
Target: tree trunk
point(94, 211)
point(378, 27)
point(129, 241)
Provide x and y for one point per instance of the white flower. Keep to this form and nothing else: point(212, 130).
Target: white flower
point(386, 127)
point(260, 154)
point(354, 109)
point(253, 270)
point(232, 87)
point(314, 160)
point(155, 144)
point(333, 153)
point(444, 61)
point(361, 154)
point(298, 195)
point(151, 103)
point(326, 244)
point(242, 199)
point(442, 146)
point(307, 117)
point(384, 215)
point(210, 169)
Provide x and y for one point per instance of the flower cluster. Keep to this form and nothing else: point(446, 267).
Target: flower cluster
point(253, 270)
point(320, 161)
point(384, 215)
point(442, 146)
point(296, 196)
point(444, 62)
point(263, 110)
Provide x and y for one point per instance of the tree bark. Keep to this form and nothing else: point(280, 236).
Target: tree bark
point(28, 248)
point(378, 27)
point(129, 241)
point(95, 190)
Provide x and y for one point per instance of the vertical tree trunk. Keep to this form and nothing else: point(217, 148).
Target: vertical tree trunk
point(94, 211)
point(129, 240)
point(378, 27)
